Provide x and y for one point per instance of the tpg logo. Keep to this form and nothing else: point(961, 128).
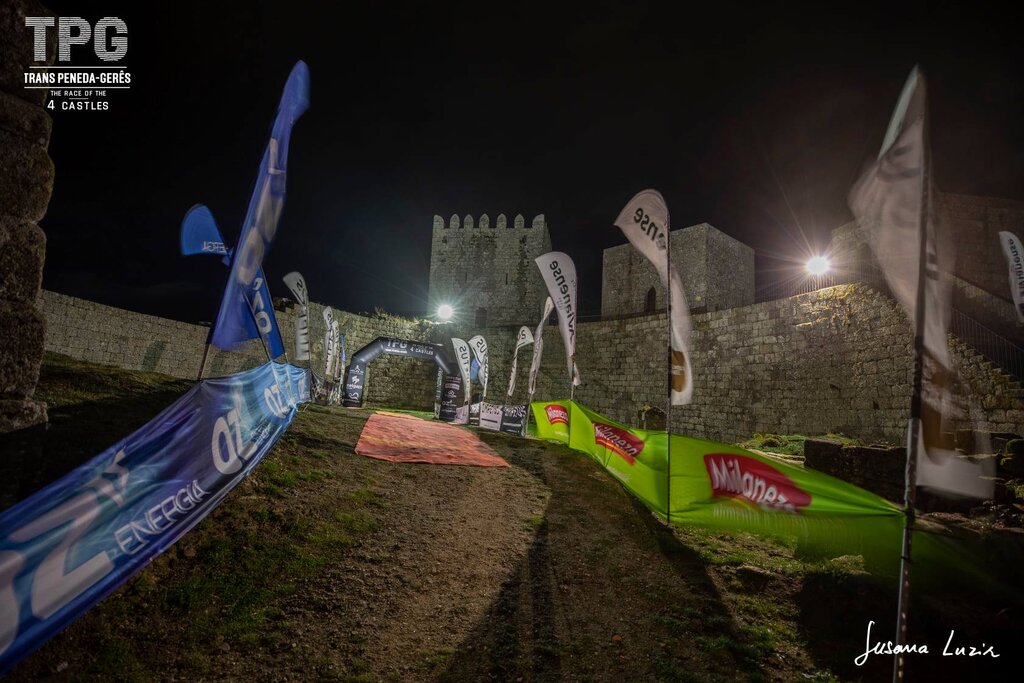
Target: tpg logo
point(109, 47)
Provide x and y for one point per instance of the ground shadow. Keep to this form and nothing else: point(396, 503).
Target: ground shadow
point(963, 585)
point(606, 592)
point(33, 458)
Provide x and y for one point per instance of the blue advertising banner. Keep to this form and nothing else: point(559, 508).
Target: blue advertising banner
point(75, 541)
point(200, 235)
point(245, 285)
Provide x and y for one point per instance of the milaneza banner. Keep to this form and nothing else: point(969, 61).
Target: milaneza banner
point(721, 485)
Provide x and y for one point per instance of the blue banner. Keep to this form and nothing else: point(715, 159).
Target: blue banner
point(75, 541)
point(245, 286)
point(200, 235)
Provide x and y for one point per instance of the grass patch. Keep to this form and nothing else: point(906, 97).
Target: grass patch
point(790, 444)
point(367, 497)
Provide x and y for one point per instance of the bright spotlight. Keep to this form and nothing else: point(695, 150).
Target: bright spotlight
point(445, 312)
point(818, 265)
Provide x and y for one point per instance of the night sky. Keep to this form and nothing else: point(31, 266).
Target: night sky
point(754, 120)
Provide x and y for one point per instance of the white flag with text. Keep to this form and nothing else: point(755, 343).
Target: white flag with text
point(297, 285)
point(538, 345)
point(525, 338)
point(559, 273)
point(1015, 262)
point(645, 222)
point(479, 347)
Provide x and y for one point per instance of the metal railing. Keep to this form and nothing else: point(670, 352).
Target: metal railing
point(1000, 351)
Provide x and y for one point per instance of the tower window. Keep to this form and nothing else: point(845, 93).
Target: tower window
point(651, 301)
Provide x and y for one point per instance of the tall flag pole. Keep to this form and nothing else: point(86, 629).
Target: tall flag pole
point(668, 394)
point(233, 325)
point(645, 222)
point(892, 203)
point(200, 235)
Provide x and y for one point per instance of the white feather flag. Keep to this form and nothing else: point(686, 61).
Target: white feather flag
point(538, 345)
point(645, 222)
point(525, 338)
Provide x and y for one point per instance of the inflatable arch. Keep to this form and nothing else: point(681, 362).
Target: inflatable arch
point(355, 375)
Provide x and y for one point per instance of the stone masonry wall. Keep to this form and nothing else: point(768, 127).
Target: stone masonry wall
point(980, 283)
point(717, 273)
point(102, 334)
point(974, 224)
point(835, 360)
point(26, 182)
point(490, 266)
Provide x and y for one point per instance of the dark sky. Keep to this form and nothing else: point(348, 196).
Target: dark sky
point(756, 120)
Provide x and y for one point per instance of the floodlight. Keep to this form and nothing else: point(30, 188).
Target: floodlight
point(818, 265)
point(445, 312)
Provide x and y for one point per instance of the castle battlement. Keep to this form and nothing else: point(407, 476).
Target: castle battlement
point(485, 270)
point(466, 222)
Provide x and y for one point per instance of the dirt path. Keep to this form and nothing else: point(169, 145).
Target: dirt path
point(325, 565)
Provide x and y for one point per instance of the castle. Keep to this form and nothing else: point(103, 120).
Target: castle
point(486, 271)
point(833, 359)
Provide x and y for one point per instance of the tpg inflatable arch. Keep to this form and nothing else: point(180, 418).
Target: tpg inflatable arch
point(355, 375)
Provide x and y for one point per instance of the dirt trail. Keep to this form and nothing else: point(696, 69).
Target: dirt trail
point(325, 565)
point(546, 570)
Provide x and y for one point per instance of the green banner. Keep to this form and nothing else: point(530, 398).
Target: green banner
point(724, 486)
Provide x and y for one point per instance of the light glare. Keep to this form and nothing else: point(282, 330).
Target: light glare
point(445, 312)
point(818, 265)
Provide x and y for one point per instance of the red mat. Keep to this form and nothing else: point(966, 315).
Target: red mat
point(404, 438)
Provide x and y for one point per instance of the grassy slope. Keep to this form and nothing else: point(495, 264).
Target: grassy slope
point(327, 566)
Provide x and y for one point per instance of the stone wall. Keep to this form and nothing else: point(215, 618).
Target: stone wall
point(974, 223)
point(717, 273)
point(837, 360)
point(979, 278)
point(102, 334)
point(26, 182)
point(487, 269)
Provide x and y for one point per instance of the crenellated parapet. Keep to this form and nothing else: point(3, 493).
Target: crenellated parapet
point(467, 222)
point(484, 269)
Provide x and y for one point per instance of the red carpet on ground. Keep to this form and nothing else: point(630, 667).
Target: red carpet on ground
point(405, 438)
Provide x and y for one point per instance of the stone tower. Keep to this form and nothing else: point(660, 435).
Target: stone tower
point(717, 273)
point(485, 271)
